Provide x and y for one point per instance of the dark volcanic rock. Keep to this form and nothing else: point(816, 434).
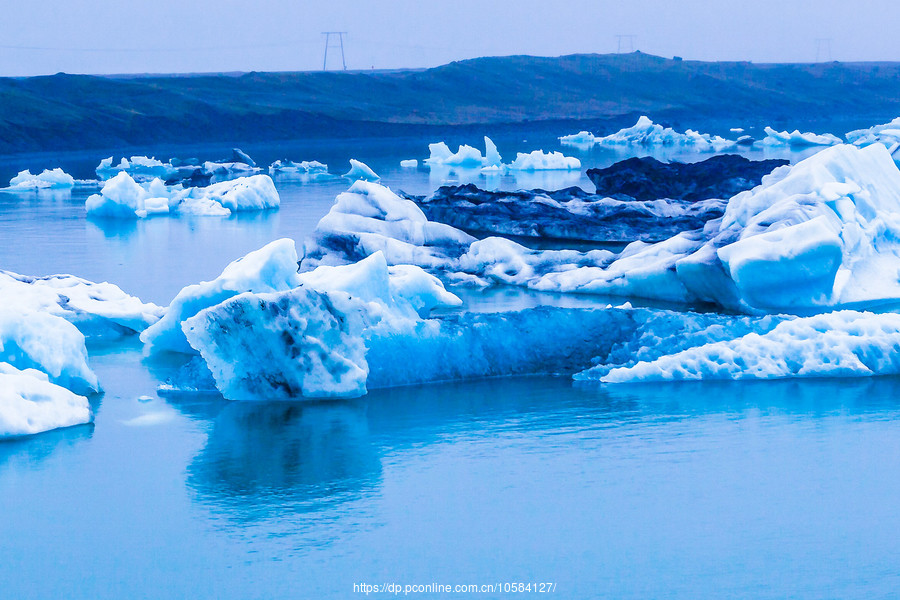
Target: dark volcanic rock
point(721, 176)
point(569, 214)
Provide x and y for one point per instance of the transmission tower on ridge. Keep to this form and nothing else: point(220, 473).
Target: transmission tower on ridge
point(340, 44)
point(625, 41)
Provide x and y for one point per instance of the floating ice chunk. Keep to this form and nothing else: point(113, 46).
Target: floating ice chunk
point(582, 138)
point(269, 269)
point(838, 344)
point(736, 130)
point(797, 139)
point(541, 161)
point(409, 164)
point(309, 341)
point(280, 346)
point(97, 309)
point(139, 167)
point(887, 134)
point(359, 170)
point(492, 157)
point(253, 193)
point(30, 404)
point(369, 218)
point(305, 171)
point(647, 133)
point(47, 343)
point(123, 198)
point(55, 179)
point(228, 169)
point(466, 157)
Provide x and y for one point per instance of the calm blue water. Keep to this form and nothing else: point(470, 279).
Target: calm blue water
point(740, 490)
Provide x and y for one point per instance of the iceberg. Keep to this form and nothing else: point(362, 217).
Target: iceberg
point(360, 171)
point(838, 344)
point(409, 164)
point(887, 134)
point(30, 403)
point(305, 167)
point(646, 178)
point(570, 214)
point(817, 235)
point(309, 340)
point(304, 171)
point(797, 139)
point(270, 269)
point(139, 167)
point(539, 160)
point(55, 179)
point(649, 134)
point(98, 310)
point(123, 198)
point(369, 218)
point(582, 138)
point(466, 157)
point(49, 344)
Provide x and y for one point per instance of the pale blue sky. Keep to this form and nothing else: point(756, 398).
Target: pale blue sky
point(134, 36)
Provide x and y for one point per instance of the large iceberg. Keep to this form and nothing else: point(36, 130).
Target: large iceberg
point(30, 403)
point(98, 310)
point(270, 269)
point(646, 133)
point(796, 139)
point(820, 234)
point(123, 198)
point(48, 179)
point(309, 340)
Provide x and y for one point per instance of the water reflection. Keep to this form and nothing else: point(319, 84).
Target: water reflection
point(267, 460)
point(273, 459)
point(27, 453)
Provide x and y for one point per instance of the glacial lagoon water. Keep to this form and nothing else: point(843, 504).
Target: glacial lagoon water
point(755, 490)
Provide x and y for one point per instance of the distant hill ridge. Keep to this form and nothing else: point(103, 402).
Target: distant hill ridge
point(72, 112)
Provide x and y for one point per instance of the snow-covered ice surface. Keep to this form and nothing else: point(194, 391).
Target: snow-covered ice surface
point(836, 344)
point(797, 139)
point(647, 133)
point(98, 310)
point(123, 198)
